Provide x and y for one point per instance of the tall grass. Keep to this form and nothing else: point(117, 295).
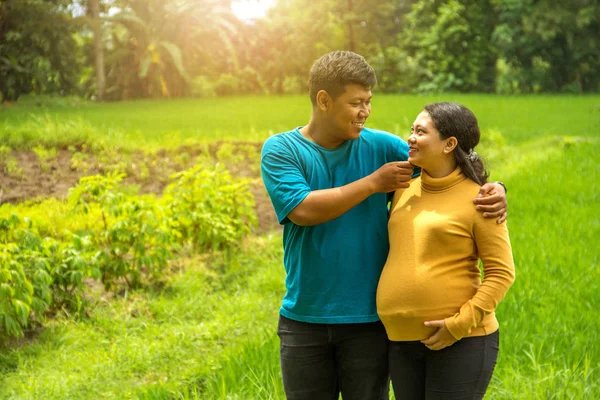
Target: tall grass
point(157, 123)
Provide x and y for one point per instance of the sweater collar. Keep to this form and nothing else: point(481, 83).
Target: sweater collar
point(431, 184)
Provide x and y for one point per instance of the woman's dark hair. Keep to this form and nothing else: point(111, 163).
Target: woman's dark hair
point(453, 119)
point(333, 71)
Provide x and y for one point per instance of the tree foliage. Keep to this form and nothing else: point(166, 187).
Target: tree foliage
point(172, 48)
point(549, 45)
point(37, 49)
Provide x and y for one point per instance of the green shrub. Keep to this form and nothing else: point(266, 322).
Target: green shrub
point(210, 209)
point(227, 85)
point(292, 85)
point(68, 265)
point(203, 87)
point(133, 241)
point(24, 283)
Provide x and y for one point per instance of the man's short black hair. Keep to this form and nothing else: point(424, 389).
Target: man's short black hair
point(333, 71)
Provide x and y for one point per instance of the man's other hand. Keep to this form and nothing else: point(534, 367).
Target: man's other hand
point(491, 200)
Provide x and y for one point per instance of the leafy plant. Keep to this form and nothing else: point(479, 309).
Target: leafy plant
point(44, 155)
point(133, 240)
point(24, 283)
point(209, 208)
point(68, 265)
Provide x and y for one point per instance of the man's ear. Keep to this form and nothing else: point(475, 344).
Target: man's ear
point(451, 144)
point(323, 100)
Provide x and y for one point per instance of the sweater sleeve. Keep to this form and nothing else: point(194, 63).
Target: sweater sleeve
point(494, 250)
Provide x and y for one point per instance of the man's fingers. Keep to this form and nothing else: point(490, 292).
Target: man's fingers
point(402, 163)
point(494, 214)
point(404, 166)
point(489, 189)
point(497, 207)
point(502, 218)
point(495, 198)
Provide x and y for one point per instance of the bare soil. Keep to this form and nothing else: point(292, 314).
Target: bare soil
point(27, 177)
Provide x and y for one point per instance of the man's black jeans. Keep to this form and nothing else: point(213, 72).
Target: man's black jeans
point(318, 361)
point(460, 371)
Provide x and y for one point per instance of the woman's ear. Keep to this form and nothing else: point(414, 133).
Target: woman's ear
point(451, 144)
point(323, 100)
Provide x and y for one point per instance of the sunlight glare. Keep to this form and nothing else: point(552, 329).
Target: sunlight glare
point(251, 9)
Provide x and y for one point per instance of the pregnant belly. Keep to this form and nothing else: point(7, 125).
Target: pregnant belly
point(404, 303)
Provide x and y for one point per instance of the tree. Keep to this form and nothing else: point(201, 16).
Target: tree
point(450, 45)
point(155, 44)
point(282, 47)
point(94, 10)
point(37, 49)
point(549, 45)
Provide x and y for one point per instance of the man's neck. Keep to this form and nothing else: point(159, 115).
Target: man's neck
point(320, 134)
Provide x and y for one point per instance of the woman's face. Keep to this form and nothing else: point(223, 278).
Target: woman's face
point(426, 146)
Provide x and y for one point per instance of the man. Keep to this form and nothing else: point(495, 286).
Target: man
point(328, 182)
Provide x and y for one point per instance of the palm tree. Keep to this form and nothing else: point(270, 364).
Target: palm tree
point(158, 36)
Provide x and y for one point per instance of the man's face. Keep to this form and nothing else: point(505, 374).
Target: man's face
point(349, 111)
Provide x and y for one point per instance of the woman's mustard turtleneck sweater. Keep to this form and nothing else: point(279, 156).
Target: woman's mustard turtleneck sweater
point(432, 272)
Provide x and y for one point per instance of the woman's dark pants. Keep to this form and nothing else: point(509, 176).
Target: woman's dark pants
point(460, 371)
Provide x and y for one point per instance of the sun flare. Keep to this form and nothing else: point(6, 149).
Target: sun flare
point(251, 9)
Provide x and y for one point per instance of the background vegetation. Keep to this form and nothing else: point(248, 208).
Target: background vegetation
point(126, 49)
point(139, 253)
point(197, 320)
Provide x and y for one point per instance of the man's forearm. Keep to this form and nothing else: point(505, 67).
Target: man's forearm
point(324, 205)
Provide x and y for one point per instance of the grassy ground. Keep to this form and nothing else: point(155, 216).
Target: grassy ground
point(210, 333)
point(158, 123)
point(164, 344)
point(549, 327)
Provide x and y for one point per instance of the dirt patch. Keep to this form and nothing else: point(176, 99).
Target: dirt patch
point(25, 176)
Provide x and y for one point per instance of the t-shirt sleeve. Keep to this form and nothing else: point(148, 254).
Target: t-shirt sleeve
point(283, 178)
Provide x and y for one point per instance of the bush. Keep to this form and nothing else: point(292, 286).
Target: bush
point(68, 265)
point(227, 85)
point(113, 237)
point(24, 283)
point(203, 87)
point(209, 209)
point(293, 85)
point(133, 241)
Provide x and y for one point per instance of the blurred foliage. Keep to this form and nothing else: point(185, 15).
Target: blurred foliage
point(548, 45)
point(38, 51)
point(175, 48)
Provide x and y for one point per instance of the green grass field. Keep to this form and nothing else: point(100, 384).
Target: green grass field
point(153, 122)
point(210, 333)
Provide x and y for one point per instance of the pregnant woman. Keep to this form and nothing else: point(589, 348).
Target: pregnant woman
point(437, 311)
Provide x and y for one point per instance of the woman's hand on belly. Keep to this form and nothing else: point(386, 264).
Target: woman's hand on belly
point(441, 338)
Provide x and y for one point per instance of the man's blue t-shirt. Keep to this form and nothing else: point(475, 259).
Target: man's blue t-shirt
point(332, 268)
